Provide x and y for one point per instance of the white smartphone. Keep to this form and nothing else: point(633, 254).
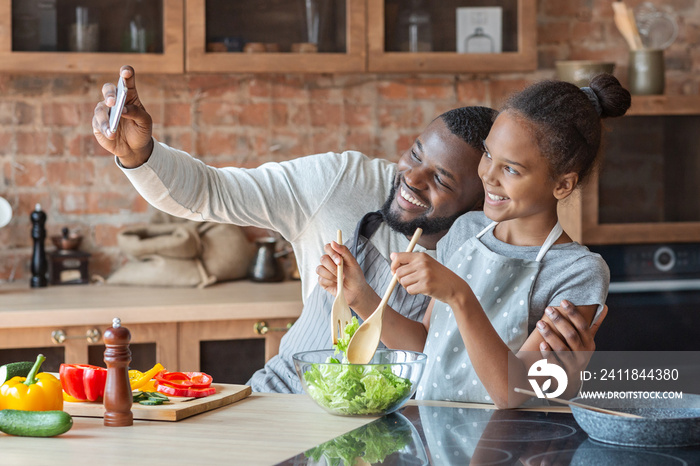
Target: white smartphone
point(115, 112)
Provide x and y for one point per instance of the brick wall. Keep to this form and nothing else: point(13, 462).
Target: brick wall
point(49, 156)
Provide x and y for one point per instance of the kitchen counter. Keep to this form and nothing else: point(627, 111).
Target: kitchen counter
point(266, 429)
point(176, 320)
point(21, 306)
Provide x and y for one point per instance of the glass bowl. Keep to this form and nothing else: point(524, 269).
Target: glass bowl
point(373, 389)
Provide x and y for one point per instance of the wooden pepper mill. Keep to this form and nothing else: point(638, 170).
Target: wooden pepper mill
point(118, 397)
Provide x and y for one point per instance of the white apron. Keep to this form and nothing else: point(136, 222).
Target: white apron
point(503, 285)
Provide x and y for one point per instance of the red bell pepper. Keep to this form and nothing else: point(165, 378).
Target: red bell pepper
point(184, 379)
point(83, 381)
point(189, 384)
point(188, 392)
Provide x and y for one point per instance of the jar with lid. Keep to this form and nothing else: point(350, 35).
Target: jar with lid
point(138, 32)
point(414, 28)
point(478, 42)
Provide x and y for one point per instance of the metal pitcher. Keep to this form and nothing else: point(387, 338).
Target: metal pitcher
point(266, 266)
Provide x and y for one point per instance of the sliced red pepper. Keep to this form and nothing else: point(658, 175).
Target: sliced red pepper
point(201, 392)
point(186, 392)
point(83, 381)
point(200, 379)
point(184, 379)
point(174, 379)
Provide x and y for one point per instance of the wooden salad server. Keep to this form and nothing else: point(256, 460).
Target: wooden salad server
point(364, 342)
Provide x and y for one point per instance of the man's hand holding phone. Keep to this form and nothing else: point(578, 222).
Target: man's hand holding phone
point(121, 124)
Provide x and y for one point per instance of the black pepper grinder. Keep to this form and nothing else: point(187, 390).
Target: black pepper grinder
point(39, 264)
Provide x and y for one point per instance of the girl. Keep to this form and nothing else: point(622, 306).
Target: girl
point(513, 258)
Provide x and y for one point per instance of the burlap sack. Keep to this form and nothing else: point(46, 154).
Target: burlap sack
point(154, 270)
point(178, 241)
point(226, 252)
point(182, 254)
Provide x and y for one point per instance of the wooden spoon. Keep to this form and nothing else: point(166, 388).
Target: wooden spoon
point(340, 312)
point(580, 405)
point(626, 25)
point(364, 342)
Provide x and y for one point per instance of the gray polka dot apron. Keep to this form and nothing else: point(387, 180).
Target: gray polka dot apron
point(503, 285)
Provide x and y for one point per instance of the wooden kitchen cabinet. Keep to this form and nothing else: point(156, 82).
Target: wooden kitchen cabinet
point(84, 344)
point(173, 326)
point(258, 36)
point(37, 36)
point(387, 19)
point(647, 190)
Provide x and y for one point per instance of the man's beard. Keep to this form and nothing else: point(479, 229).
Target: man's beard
point(430, 226)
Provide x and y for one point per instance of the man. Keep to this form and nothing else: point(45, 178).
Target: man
point(307, 199)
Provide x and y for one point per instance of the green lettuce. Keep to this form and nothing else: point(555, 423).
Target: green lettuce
point(354, 389)
point(373, 443)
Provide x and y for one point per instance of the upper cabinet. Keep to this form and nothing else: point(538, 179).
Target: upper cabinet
point(91, 37)
point(647, 188)
point(451, 36)
point(268, 36)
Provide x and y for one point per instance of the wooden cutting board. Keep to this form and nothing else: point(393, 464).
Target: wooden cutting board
point(178, 407)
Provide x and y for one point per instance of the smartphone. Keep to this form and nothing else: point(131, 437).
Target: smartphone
point(115, 112)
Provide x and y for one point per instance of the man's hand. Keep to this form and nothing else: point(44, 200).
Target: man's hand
point(132, 142)
point(357, 291)
point(575, 351)
point(578, 335)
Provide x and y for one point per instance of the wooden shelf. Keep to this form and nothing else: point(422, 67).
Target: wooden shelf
point(665, 105)
point(170, 61)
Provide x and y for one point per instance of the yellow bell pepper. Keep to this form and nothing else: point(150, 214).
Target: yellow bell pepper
point(36, 392)
point(140, 381)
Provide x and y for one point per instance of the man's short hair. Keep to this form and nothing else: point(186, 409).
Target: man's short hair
point(471, 124)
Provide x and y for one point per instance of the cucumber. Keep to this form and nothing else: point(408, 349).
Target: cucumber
point(35, 423)
point(15, 369)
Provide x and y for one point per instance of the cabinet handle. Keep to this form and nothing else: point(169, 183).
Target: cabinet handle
point(92, 336)
point(261, 328)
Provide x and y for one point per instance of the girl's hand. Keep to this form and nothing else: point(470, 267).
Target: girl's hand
point(419, 273)
point(355, 287)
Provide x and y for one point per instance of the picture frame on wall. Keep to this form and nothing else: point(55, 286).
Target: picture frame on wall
point(479, 29)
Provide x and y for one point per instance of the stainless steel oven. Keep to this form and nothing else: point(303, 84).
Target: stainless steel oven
point(654, 299)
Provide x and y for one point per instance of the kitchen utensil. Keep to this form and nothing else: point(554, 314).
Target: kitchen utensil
point(340, 312)
point(666, 422)
point(176, 409)
point(626, 25)
point(579, 405)
point(266, 266)
point(658, 26)
point(364, 342)
point(5, 212)
point(580, 72)
point(336, 387)
point(66, 241)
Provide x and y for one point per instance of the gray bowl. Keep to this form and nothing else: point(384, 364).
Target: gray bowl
point(665, 423)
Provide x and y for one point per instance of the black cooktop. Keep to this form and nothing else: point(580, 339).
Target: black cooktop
point(428, 435)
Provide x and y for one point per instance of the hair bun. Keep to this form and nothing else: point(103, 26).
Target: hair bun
point(614, 99)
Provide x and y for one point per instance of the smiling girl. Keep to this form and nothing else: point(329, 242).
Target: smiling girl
point(497, 269)
point(513, 257)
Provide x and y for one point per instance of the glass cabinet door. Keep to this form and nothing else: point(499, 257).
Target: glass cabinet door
point(452, 35)
point(75, 35)
point(307, 36)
